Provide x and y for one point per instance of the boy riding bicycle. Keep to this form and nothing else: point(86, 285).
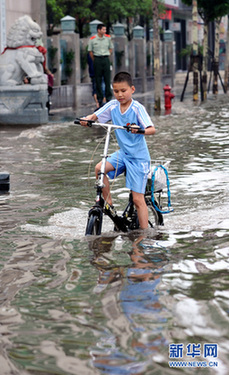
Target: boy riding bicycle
point(133, 156)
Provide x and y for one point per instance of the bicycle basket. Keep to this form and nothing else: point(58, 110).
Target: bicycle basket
point(159, 179)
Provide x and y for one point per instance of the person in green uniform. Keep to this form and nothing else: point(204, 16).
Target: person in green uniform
point(100, 48)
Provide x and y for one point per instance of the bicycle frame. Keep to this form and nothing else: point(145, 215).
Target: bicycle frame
point(100, 206)
point(129, 219)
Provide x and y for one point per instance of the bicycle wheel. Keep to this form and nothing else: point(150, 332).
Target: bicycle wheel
point(155, 217)
point(94, 225)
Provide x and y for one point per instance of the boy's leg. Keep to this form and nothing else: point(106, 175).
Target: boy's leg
point(142, 210)
point(106, 189)
point(136, 179)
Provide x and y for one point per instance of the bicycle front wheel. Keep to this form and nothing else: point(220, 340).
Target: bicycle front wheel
point(94, 225)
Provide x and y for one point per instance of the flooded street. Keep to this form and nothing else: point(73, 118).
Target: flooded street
point(148, 302)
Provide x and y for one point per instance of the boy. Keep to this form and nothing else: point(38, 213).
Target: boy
point(133, 155)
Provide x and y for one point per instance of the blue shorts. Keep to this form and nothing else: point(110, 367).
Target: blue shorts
point(136, 170)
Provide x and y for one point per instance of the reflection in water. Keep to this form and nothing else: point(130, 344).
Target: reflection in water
point(113, 304)
point(131, 304)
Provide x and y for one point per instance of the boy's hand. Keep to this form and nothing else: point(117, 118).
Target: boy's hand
point(84, 123)
point(88, 120)
point(134, 128)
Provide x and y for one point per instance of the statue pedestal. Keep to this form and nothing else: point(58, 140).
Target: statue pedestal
point(23, 104)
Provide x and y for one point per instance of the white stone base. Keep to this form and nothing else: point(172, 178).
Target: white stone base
point(23, 104)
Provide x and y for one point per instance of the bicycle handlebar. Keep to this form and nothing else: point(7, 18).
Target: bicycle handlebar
point(125, 127)
point(77, 121)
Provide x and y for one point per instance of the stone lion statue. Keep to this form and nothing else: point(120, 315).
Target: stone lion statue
point(21, 58)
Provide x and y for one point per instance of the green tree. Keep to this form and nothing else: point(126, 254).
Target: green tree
point(79, 9)
point(117, 10)
point(106, 11)
point(54, 14)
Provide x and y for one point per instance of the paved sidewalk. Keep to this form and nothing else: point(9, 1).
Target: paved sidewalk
point(64, 114)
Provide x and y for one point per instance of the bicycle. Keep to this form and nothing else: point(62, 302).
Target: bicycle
point(128, 220)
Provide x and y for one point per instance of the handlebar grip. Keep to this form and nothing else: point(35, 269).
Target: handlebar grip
point(77, 121)
point(133, 125)
point(141, 131)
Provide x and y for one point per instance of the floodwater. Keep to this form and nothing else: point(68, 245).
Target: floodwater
point(133, 303)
